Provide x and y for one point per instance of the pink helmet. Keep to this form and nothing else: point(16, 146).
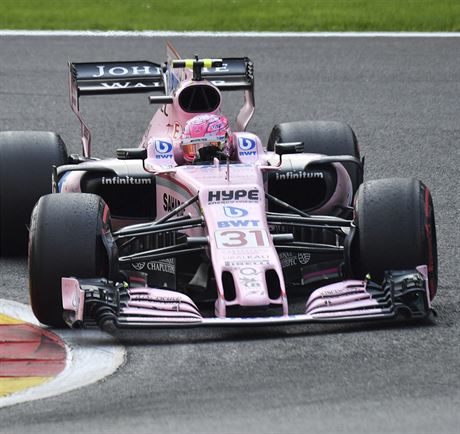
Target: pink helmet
point(202, 131)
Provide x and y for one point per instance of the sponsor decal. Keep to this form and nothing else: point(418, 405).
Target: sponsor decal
point(298, 174)
point(163, 149)
point(138, 266)
point(170, 203)
point(238, 223)
point(249, 277)
point(341, 291)
point(216, 126)
point(165, 265)
point(248, 256)
point(125, 180)
point(130, 85)
point(161, 298)
point(120, 71)
point(241, 238)
point(177, 130)
point(303, 258)
point(246, 262)
point(288, 259)
point(220, 196)
point(246, 146)
point(233, 211)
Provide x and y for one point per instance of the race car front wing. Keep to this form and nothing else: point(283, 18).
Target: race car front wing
point(103, 303)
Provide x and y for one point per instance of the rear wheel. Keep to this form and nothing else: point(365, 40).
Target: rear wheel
point(395, 229)
point(321, 137)
point(26, 160)
point(65, 240)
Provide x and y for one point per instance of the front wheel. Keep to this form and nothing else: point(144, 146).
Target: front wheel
point(395, 229)
point(66, 239)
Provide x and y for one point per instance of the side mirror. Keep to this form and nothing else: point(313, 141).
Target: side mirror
point(289, 148)
point(132, 154)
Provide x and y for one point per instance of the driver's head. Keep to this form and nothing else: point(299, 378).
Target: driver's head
point(204, 131)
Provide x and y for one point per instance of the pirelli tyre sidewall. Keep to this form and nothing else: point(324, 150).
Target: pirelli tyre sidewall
point(65, 240)
point(395, 229)
point(26, 160)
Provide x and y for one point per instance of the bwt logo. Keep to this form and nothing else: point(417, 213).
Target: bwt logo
point(233, 195)
point(247, 146)
point(233, 211)
point(163, 149)
point(238, 223)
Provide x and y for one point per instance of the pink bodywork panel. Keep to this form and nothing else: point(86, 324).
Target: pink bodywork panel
point(236, 225)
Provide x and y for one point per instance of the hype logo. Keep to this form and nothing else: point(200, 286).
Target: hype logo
point(233, 211)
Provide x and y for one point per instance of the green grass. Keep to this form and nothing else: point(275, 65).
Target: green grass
point(247, 15)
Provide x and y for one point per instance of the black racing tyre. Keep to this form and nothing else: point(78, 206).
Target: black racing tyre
point(395, 229)
point(65, 240)
point(321, 137)
point(26, 160)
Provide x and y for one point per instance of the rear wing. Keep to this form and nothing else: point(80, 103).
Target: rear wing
point(108, 78)
point(101, 78)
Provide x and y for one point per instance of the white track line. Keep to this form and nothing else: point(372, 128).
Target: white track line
point(91, 356)
point(201, 34)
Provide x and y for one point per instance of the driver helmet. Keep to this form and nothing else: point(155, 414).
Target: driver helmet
point(204, 131)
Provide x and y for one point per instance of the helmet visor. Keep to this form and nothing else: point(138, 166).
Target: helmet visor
point(190, 147)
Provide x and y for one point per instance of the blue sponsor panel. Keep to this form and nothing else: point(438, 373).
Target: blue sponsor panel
point(163, 149)
point(233, 211)
point(246, 146)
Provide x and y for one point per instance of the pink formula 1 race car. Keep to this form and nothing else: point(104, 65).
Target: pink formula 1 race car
point(202, 226)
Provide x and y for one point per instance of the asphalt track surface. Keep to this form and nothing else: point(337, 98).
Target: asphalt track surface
point(402, 98)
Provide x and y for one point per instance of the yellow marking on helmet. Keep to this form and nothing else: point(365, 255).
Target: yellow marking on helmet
point(189, 63)
point(207, 63)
